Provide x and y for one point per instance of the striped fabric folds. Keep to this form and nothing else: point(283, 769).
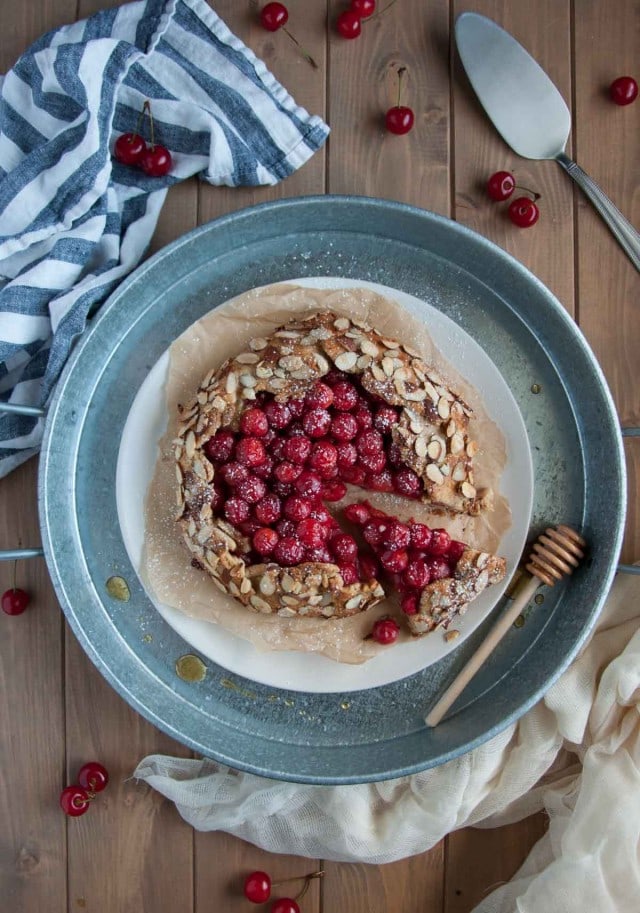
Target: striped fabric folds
point(74, 222)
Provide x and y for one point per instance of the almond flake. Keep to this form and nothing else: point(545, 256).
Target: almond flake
point(387, 366)
point(363, 362)
point(457, 443)
point(468, 490)
point(190, 445)
point(390, 343)
point(248, 380)
point(342, 323)
point(420, 447)
point(267, 585)
point(248, 358)
point(287, 583)
point(232, 383)
point(322, 363)
point(264, 371)
point(258, 343)
point(443, 408)
point(291, 363)
point(245, 586)
point(378, 373)
point(434, 474)
point(354, 602)
point(346, 361)
point(415, 396)
point(459, 473)
point(249, 393)
point(451, 635)
point(369, 348)
point(260, 604)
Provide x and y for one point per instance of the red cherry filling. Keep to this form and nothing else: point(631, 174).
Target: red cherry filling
point(411, 553)
point(273, 473)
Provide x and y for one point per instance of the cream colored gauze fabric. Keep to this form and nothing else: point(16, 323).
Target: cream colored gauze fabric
point(576, 754)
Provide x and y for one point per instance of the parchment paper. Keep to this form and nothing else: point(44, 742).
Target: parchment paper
point(166, 568)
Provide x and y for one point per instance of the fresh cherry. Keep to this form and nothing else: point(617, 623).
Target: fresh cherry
point(129, 149)
point(501, 185)
point(257, 885)
point(93, 777)
point(156, 161)
point(274, 16)
point(363, 8)
point(400, 118)
point(623, 90)
point(15, 601)
point(285, 905)
point(385, 631)
point(349, 24)
point(74, 801)
point(523, 212)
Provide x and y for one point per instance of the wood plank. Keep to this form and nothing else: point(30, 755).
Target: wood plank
point(414, 884)
point(546, 248)
point(364, 158)
point(33, 843)
point(607, 149)
point(479, 861)
point(22, 24)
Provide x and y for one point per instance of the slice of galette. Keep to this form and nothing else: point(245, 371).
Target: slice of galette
point(436, 576)
point(281, 429)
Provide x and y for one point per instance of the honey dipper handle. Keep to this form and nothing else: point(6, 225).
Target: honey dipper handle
point(488, 645)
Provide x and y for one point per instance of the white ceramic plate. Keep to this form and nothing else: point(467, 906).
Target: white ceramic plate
point(296, 671)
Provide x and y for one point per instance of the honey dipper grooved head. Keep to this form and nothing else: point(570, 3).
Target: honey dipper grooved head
point(555, 554)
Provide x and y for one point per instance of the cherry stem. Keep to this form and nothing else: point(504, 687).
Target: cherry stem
point(15, 573)
point(147, 108)
point(401, 73)
point(380, 12)
point(536, 196)
point(307, 56)
point(307, 878)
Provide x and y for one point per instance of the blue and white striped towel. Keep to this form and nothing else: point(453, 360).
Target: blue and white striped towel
point(73, 222)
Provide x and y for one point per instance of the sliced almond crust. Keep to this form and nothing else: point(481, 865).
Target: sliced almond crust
point(443, 600)
point(432, 434)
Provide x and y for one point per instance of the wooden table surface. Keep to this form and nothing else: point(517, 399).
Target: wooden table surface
point(133, 852)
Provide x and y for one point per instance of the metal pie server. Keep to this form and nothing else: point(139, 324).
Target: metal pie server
point(528, 111)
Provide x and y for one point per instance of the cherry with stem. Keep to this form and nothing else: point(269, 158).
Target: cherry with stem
point(400, 118)
point(15, 600)
point(274, 16)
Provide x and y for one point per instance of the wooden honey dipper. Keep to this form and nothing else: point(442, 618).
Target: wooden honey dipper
point(554, 554)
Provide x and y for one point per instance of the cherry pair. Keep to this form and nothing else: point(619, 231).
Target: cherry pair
point(349, 23)
point(258, 886)
point(92, 779)
point(523, 211)
point(131, 149)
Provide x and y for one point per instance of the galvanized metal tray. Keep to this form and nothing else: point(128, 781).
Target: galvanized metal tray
point(573, 433)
